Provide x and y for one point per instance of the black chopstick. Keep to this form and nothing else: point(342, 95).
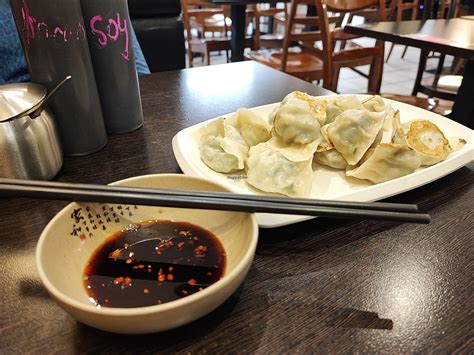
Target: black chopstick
point(213, 203)
point(380, 206)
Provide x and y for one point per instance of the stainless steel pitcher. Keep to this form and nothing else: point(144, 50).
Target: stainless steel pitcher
point(29, 143)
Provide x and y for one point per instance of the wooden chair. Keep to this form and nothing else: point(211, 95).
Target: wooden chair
point(442, 89)
point(351, 55)
point(296, 57)
point(397, 8)
point(444, 7)
point(276, 17)
point(199, 15)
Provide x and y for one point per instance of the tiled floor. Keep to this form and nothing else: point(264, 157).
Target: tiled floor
point(398, 78)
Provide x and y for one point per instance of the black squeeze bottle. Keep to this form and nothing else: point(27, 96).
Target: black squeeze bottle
point(109, 33)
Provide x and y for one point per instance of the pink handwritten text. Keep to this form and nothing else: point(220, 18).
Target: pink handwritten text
point(33, 28)
point(110, 30)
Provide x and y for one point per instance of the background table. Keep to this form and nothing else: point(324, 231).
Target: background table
point(452, 37)
point(237, 15)
point(324, 285)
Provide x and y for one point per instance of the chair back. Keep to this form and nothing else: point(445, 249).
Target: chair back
point(260, 11)
point(448, 9)
point(196, 13)
point(200, 16)
point(303, 29)
point(330, 36)
point(398, 7)
point(439, 9)
point(352, 5)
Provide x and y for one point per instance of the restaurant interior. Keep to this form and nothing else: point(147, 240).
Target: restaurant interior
point(237, 176)
point(429, 80)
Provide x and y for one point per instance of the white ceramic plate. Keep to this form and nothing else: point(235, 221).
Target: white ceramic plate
point(329, 183)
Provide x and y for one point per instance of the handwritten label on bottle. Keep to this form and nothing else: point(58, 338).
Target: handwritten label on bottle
point(104, 30)
point(36, 29)
point(110, 30)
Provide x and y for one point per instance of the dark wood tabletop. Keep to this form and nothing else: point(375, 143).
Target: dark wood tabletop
point(451, 37)
point(321, 286)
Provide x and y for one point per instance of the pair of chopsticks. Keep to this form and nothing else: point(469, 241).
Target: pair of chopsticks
point(210, 200)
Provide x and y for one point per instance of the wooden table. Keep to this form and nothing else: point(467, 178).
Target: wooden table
point(322, 286)
point(451, 37)
point(237, 15)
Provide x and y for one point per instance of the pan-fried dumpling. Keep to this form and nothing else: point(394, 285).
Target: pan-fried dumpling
point(354, 131)
point(268, 170)
point(316, 104)
point(341, 103)
point(331, 158)
point(299, 118)
point(253, 128)
point(222, 148)
point(386, 162)
point(425, 138)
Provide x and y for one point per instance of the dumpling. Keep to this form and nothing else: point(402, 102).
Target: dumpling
point(232, 134)
point(268, 170)
point(425, 138)
point(354, 131)
point(391, 121)
point(326, 154)
point(325, 143)
point(215, 157)
point(294, 152)
point(316, 104)
point(456, 143)
point(331, 158)
point(386, 162)
point(298, 119)
point(390, 125)
point(341, 103)
point(222, 148)
point(253, 128)
point(375, 104)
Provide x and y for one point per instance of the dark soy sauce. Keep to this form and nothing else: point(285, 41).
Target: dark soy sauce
point(152, 263)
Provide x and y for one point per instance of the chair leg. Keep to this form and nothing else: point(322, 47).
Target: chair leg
point(375, 74)
point(404, 52)
point(190, 56)
point(419, 74)
point(334, 78)
point(458, 63)
point(389, 52)
point(349, 21)
point(439, 69)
